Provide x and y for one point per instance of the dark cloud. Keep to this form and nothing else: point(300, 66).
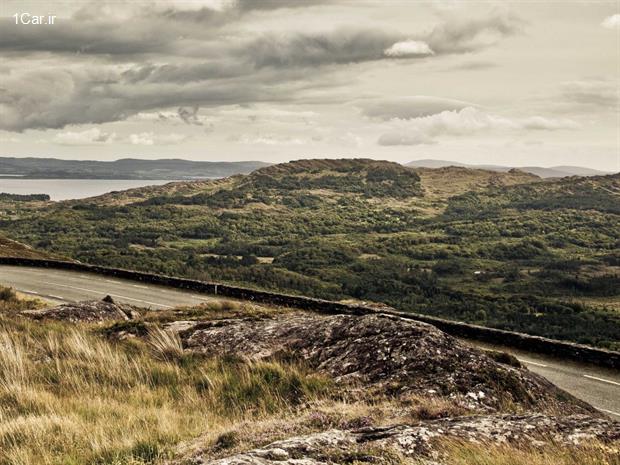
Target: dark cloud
point(189, 116)
point(184, 56)
point(89, 38)
point(301, 50)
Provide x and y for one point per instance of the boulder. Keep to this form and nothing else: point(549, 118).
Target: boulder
point(392, 354)
point(422, 441)
point(91, 311)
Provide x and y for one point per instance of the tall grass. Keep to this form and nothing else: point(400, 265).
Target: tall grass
point(71, 397)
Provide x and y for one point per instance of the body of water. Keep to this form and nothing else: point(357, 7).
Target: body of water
point(66, 189)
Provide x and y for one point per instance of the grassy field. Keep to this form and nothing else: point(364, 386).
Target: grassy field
point(71, 394)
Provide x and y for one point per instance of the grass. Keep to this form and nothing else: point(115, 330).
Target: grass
point(459, 453)
point(68, 396)
point(12, 301)
point(72, 395)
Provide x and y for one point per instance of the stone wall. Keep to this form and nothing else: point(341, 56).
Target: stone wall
point(561, 349)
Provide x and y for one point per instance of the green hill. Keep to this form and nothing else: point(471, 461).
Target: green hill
point(502, 249)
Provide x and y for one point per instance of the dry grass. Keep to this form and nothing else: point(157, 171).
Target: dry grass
point(12, 301)
point(550, 454)
point(70, 397)
point(166, 345)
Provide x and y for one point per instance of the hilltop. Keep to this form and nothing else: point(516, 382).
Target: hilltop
point(462, 180)
point(507, 250)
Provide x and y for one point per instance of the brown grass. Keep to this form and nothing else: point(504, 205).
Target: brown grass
point(460, 453)
point(70, 397)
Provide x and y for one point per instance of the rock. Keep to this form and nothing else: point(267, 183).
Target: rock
point(92, 311)
point(420, 441)
point(393, 354)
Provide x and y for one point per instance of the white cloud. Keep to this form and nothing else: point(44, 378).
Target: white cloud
point(548, 124)
point(150, 138)
point(467, 121)
point(87, 137)
point(408, 48)
point(612, 22)
point(409, 107)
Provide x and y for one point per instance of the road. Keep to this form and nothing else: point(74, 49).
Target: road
point(598, 386)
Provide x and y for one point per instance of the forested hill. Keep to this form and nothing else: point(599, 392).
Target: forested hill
point(502, 249)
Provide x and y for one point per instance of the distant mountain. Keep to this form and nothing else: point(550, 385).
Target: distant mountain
point(126, 168)
point(551, 172)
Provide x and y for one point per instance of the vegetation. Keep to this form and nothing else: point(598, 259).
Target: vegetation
point(24, 198)
point(71, 396)
point(500, 249)
point(77, 394)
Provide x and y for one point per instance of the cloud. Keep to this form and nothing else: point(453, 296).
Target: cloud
point(302, 50)
point(111, 62)
point(150, 138)
point(464, 122)
point(409, 48)
point(547, 124)
point(409, 107)
point(189, 116)
point(462, 35)
point(87, 137)
point(473, 66)
point(612, 22)
point(595, 93)
point(401, 138)
point(268, 139)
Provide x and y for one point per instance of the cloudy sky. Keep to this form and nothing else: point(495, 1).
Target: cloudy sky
point(513, 83)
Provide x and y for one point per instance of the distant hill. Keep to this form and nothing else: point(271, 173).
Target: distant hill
point(551, 172)
point(126, 168)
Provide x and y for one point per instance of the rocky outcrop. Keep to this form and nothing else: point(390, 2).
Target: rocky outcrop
point(393, 354)
point(421, 441)
point(92, 311)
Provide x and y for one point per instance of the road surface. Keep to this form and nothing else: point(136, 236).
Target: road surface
point(598, 386)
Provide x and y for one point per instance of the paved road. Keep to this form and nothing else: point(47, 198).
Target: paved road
point(598, 386)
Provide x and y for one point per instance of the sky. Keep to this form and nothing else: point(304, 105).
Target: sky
point(486, 82)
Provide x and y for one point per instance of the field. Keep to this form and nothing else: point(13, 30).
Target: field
point(507, 250)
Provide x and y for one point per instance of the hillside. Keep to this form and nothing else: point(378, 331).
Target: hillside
point(231, 382)
point(126, 168)
point(550, 172)
point(10, 248)
point(464, 180)
point(500, 249)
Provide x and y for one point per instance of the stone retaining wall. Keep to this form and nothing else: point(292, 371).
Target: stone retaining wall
point(561, 349)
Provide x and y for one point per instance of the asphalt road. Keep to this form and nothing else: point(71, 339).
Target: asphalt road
point(598, 386)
